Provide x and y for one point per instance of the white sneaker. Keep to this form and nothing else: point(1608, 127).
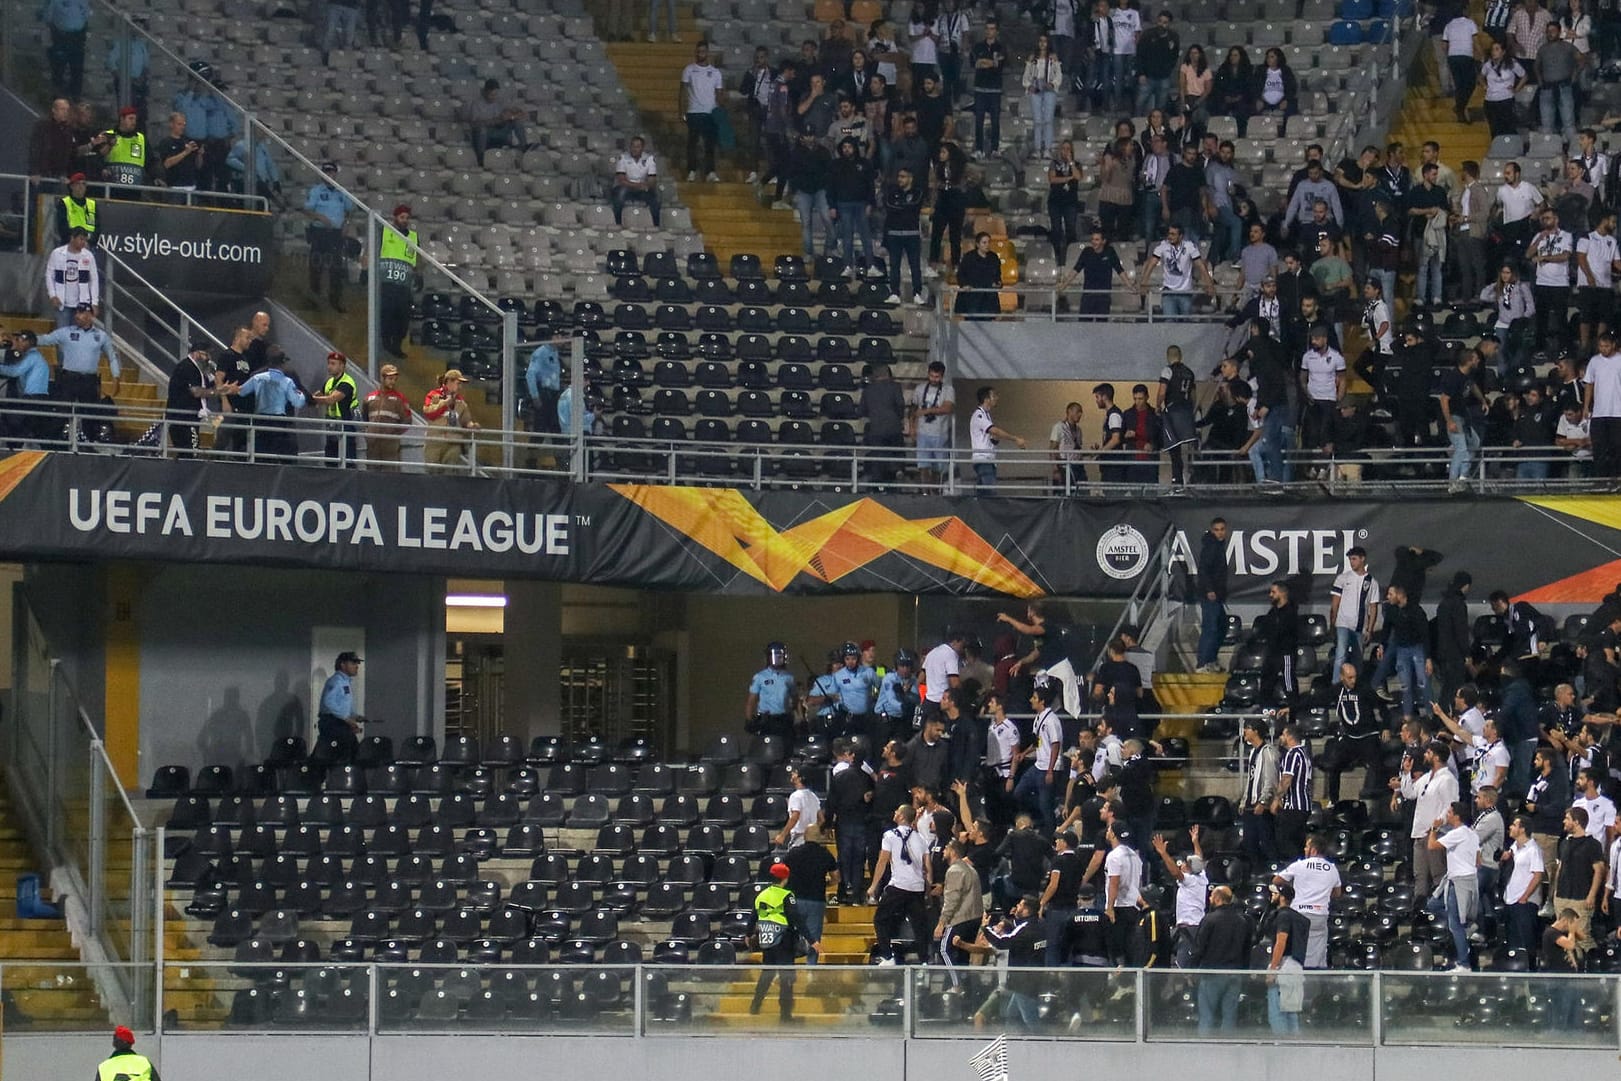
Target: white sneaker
point(892, 299)
point(885, 962)
point(652, 37)
point(920, 299)
point(754, 178)
point(873, 272)
point(712, 178)
point(692, 175)
point(676, 38)
point(780, 205)
point(930, 273)
point(1461, 968)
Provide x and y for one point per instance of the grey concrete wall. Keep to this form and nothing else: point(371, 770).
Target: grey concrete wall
point(434, 1058)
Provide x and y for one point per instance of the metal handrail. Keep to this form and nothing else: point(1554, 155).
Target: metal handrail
point(603, 457)
point(1029, 292)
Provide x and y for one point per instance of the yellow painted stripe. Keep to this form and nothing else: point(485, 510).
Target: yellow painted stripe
point(122, 649)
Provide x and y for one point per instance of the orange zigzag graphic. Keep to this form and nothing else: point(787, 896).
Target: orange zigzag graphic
point(829, 546)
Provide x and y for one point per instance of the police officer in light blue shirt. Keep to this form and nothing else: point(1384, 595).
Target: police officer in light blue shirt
point(79, 348)
point(852, 690)
point(544, 377)
point(25, 364)
point(271, 391)
point(898, 697)
point(769, 710)
point(68, 21)
point(328, 208)
point(337, 720)
point(823, 696)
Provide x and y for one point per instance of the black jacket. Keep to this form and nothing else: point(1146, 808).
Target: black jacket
point(1223, 938)
point(849, 180)
point(808, 167)
point(1279, 629)
point(1212, 567)
point(903, 208)
point(1411, 569)
point(1406, 625)
point(847, 794)
point(1453, 633)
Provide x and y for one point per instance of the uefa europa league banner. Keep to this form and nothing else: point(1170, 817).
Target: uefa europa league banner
point(723, 540)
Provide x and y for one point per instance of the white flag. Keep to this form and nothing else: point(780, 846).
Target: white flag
point(991, 1063)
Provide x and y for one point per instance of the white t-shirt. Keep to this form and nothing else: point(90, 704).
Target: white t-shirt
point(905, 874)
point(1463, 851)
point(809, 806)
point(1377, 315)
point(1557, 242)
point(1191, 893)
point(979, 435)
point(1320, 369)
point(703, 82)
point(1127, 25)
point(939, 665)
point(1500, 87)
point(1315, 880)
point(1176, 263)
point(1459, 34)
point(1001, 740)
point(1604, 376)
point(923, 47)
point(1123, 863)
point(636, 170)
point(1349, 588)
point(1527, 862)
point(1066, 437)
point(1272, 86)
point(1601, 253)
point(1600, 814)
point(1517, 200)
point(925, 396)
point(1567, 430)
point(1049, 735)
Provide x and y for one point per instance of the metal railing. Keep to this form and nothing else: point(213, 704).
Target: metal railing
point(34, 192)
point(597, 457)
point(77, 815)
point(1063, 303)
point(1407, 1005)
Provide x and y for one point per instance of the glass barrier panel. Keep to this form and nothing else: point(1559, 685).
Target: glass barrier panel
point(51, 996)
point(1513, 1009)
point(733, 999)
point(1329, 1007)
point(1074, 1003)
point(266, 994)
point(552, 1000)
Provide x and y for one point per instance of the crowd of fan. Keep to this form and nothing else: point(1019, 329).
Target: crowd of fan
point(1483, 830)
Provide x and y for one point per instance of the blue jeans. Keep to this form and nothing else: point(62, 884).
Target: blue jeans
point(1122, 78)
point(853, 222)
point(1229, 238)
point(812, 208)
point(1557, 104)
point(1465, 449)
point(1023, 1008)
point(985, 476)
point(1518, 778)
point(811, 914)
point(1152, 94)
point(653, 16)
point(1148, 214)
point(340, 27)
point(1035, 794)
point(1283, 1024)
point(1043, 104)
point(1258, 459)
point(1176, 305)
point(1531, 470)
point(1387, 283)
point(1056, 924)
point(931, 450)
point(1409, 665)
point(1212, 629)
point(1347, 643)
point(1218, 995)
point(1428, 290)
point(1446, 907)
point(1277, 435)
point(987, 107)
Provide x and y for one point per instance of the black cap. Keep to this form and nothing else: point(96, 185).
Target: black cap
point(347, 656)
point(85, 306)
point(329, 167)
point(198, 345)
point(1122, 834)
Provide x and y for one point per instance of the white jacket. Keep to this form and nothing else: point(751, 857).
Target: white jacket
point(1048, 71)
point(71, 278)
point(1433, 793)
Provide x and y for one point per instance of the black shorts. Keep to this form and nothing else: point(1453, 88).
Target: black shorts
point(1596, 305)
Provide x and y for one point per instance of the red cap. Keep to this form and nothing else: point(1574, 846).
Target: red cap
point(76, 178)
point(779, 870)
point(867, 644)
point(401, 209)
point(123, 1035)
point(128, 110)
